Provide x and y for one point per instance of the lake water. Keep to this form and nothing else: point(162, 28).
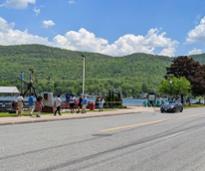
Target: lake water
point(133, 102)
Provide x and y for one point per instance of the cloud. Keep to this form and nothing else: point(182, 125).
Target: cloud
point(152, 42)
point(81, 40)
point(198, 33)
point(4, 25)
point(48, 24)
point(11, 36)
point(71, 1)
point(195, 52)
point(37, 11)
point(18, 4)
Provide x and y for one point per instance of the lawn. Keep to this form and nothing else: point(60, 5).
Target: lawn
point(26, 113)
point(4, 114)
point(194, 106)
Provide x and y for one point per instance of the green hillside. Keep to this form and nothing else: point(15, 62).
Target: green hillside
point(60, 70)
point(200, 58)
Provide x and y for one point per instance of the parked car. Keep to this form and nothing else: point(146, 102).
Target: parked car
point(9, 105)
point(171, 107)
point(5, 105)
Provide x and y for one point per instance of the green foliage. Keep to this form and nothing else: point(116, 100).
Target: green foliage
point(192, 70)
point(200, 58)
point(175, 86)
point(60, 70)
point(144, 88)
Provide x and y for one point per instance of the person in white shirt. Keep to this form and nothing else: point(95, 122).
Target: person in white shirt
point(20, 104)
point(101, 104)
point(58, 103)
point(72, 103)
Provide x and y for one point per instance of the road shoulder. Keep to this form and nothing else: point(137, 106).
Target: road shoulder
point(47, 118)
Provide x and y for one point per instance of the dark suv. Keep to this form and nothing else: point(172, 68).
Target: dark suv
point(171, 107)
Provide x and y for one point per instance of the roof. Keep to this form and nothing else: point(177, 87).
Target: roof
point(8, 90)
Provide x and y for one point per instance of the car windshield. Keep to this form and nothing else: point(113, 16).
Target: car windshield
point(168, 103)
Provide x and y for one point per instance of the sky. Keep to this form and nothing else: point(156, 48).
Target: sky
point(112, 27)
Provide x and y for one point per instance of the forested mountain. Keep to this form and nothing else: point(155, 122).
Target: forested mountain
point(200, 58)
point(60, 70)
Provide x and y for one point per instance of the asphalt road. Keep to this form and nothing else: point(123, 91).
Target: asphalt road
point(137, 142)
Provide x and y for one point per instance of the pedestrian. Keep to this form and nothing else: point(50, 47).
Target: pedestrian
point(101, 104)
point(39, 106)
point(79, 106)
point(84, 104)
point(20, 105)
point(31, 103)
point(72, 103)
point(58, 103)
point(97, 101)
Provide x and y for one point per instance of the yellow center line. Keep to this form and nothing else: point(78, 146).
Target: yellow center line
point(132, 126)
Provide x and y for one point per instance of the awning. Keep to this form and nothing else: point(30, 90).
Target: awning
point(9, 90)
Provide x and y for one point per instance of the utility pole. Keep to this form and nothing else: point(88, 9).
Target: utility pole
point(84, 70)
point(22, 79)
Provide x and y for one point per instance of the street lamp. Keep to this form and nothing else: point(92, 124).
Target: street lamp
point(84, 67)
point(21, 77)
point(170, 83)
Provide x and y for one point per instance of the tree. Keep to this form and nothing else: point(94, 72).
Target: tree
point(192, 70)
point(144, 88)
point(183, 66)
point(175, 86)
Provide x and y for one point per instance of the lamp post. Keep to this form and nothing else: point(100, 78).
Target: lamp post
point(84, 70)
point(21, 79)
point(170, 83)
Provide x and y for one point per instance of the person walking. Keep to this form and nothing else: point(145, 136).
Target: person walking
point(79, 106)
point(58, 103)
point(97, 101)
point(72, 104)
point(20, 105)
point(39, 106)
point(31, 103)
point(84, 104)
point(101, 104)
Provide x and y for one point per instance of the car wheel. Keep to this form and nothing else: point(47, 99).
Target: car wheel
point(174, 110)
point(181, 110)
point(178, 110)
point(162, 111)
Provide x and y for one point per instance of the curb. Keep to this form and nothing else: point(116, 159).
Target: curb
point(61, 119)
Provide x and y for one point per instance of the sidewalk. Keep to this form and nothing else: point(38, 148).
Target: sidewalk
point(46, 118)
